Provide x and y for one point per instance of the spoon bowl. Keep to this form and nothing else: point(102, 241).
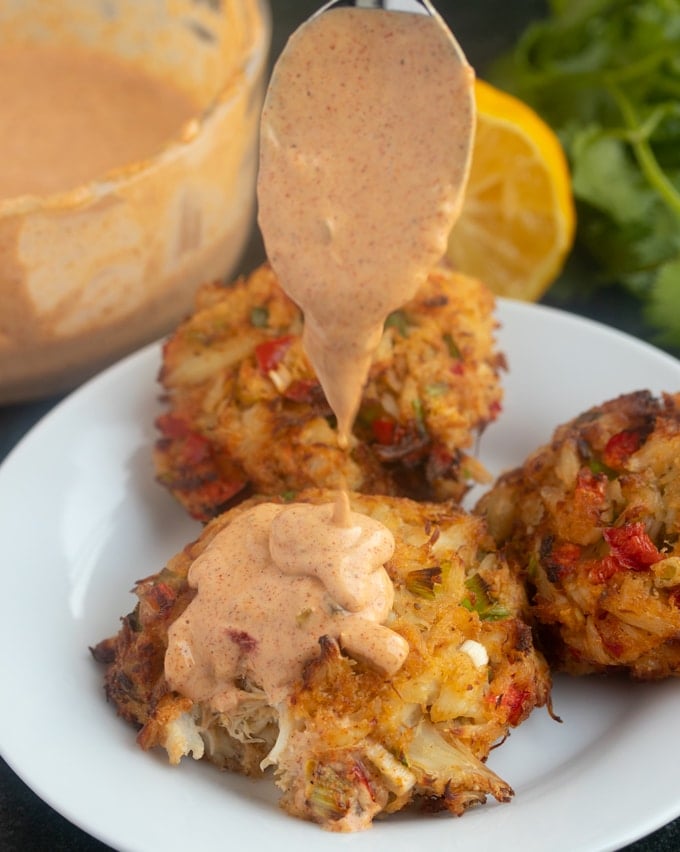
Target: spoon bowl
point(369, 158)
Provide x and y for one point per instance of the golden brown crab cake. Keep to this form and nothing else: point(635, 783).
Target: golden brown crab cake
point(591, 522)
point(246, 414)
point(350, 742)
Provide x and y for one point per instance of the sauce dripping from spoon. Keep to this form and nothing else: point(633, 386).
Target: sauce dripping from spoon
point(365, 147)
point(366, 139)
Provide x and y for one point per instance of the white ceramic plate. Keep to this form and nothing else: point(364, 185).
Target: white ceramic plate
point(81, 518)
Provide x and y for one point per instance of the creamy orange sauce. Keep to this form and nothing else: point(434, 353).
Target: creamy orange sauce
point(68, 116)
point(365, 145)
point(265, 595)
point(365, 148)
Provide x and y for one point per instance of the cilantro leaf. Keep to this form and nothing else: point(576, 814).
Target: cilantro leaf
point(606, 75)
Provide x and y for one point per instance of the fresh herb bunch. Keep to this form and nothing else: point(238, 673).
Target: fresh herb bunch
point(605, 74)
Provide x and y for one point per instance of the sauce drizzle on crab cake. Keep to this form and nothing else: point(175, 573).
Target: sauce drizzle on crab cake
point(265, 595)
point(351, 742)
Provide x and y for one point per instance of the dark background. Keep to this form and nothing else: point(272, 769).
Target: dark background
point(485, 28)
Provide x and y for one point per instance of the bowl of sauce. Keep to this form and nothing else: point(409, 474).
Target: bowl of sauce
point(128, 158)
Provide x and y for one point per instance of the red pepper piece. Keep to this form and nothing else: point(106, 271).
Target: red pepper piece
point(303, 390)
point(383, 430)
point(620, 447)
point(245, 641)
point(270, 353)
point(513, 699)
point(631, 546)
point(603, 569)
point(190, 445)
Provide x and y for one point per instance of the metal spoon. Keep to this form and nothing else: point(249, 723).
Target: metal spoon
point(417, 7)
point(421, 7)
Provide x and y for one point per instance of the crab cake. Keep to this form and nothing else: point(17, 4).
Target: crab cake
point(591, 522)
point(246, 414)
point(349, 741)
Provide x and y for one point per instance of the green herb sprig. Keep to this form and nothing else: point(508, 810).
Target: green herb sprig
point(605, 74)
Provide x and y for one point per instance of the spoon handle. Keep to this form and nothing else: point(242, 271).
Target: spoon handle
point(422, 7)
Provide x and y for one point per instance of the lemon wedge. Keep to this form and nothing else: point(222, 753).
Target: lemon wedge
point(517, 222)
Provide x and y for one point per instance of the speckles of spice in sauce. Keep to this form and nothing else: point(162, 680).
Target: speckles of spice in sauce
point(365, 147)
point(269, 586)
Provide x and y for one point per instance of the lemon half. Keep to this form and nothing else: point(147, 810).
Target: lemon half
point(517, 222)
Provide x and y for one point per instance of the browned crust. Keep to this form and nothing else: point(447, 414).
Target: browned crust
point(591, 522)
point(232, 427)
